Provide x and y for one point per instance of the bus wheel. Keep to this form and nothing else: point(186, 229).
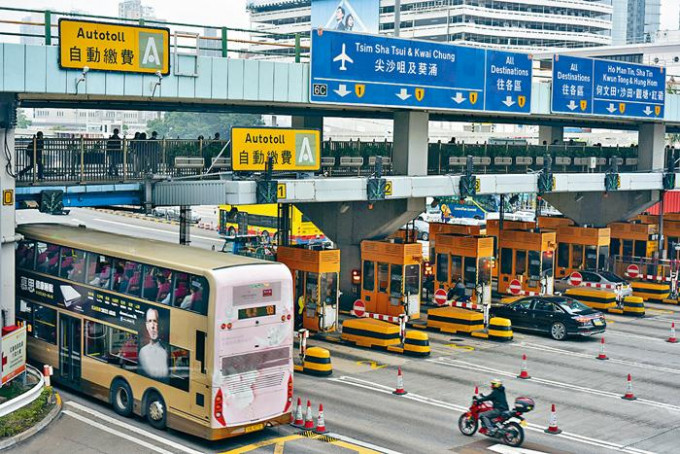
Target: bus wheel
point(231, 231)
point(156, 411)
point(121, 397)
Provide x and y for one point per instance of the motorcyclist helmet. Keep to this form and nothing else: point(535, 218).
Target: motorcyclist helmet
point(496, 383)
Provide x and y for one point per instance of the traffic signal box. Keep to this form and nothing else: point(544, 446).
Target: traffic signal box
point(581, 248)
point(315, 279)
point(526, 262)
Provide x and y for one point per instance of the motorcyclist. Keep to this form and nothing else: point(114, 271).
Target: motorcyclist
point(500, 404)
point(458, 292)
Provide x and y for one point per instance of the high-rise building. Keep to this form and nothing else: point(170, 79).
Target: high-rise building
point(525, 25)
point(133, 9)
point(635, 21)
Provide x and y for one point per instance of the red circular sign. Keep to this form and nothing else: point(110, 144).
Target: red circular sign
point(440, 297)
point(359, 308)
point(633, 271)
point(575, 278)
point(515, 287)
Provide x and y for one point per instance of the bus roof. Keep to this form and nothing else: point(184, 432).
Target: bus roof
point(154, 252)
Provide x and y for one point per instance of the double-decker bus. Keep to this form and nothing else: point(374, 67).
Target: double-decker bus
point(197, 341)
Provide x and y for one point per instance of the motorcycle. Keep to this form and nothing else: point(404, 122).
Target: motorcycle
point(509, 424)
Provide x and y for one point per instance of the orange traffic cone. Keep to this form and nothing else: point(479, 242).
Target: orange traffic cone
point(400, 391)
point(299, 421)
point(629, 390)
point(602, 355)
point(525, 373)
point(672, 339)
point(309, 417)
point(321, 424)
point(552, 424)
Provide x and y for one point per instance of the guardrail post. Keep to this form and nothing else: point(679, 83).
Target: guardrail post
point(48, 28)
point(298, 51)
point(225, 47)
point(125, 154)
point(82, 159)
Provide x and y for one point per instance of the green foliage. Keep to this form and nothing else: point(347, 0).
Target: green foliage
point(190, 125)
point(28, 416)
point(22, 120)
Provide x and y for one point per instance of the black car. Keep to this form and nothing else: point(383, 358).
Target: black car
point(557, 315)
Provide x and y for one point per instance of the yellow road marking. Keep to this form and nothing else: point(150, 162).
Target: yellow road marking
point(460, 347)
point(661, 311)
point(278, 449)
point(374, 364)
point(357, 449)
point(260, 444)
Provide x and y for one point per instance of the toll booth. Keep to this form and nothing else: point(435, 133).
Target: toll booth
point(315, 273)
point(553, 222)
point(437, 228)
point(390, 277)
point(581, 248)
point(633, 239)
point(469, 258)
point(526, 262)
point(493, 229)
point(671, 232)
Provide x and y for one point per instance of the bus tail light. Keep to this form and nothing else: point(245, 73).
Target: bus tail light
point(356, 277)
point(289, 400)
point(217, 408)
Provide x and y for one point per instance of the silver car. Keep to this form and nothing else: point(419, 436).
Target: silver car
point(605, 280)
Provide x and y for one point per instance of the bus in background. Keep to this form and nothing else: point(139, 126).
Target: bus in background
point(262, 220)
point(193, 340)
point(477, 207)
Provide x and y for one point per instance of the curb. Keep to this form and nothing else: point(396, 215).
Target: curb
point(25, 435)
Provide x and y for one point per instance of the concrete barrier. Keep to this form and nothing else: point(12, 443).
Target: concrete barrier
point(634, 305)
point(367, 332)
point(453, 320)
point(416, 343)
point(651, 291)
point(500, 329)
point(597, 299)
point(317, 362)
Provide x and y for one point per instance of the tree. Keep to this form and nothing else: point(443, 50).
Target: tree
point(190, 125)
point(22, 120)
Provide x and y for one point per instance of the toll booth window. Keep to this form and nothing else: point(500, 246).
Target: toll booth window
point(456, 267)
point(485, 270)
point(443, 267)
point(520, 262)
point(73, 264)
point(591, 257)
point(673, 246)
point(329, 288)
point(535, 264)
point(603, 256)
point(470, 276)
point(615, 247)
point(396, 280)
point(25, 255)
point(312, 291)
point(548, 260)
point(99, 270)
point(628, 248)
point(576, 255)
point(369, 276)
point(506, 261)
point(412, 283)
point(641, 249)
point(383, 277)
point(563, 255)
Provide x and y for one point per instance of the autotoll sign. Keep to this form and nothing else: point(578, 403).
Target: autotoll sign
point(289, 149)
point(13, 354)
point(113, 47)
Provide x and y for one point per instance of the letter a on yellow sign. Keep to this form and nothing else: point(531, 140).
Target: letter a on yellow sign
point(473, 97)
point(360, 89)
point(420, 94)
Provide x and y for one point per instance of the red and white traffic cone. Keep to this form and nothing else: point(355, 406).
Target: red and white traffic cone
point(321, 424)
point(299, 420)
point(309, 417)
point(602, 355)
point(552, 424)
point(672, 339)
point(400, 391)
point(629, 390)
point(525, 373)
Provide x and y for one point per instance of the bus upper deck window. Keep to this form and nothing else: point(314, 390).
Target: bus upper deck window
point(127, 277)
point(99, 270)
point(72, 264)
point(369, 276)
point(25, 255)
point(156, 284)
point(196, 297)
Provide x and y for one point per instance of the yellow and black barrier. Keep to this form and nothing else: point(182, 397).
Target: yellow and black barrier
point(416, 343)
point(651, 291)
point(673, 301)
point(317, 362)
point(453, 319)
point(500, 329)
point(634, 305)
point(368, 332)
point(597, 299)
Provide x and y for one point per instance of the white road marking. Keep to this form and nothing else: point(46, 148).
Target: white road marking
point(377, 387)
point(167, 232)
point(115, 432)
point(363, 444)
point(479, 368)
point(130, 428)
point(504, 449)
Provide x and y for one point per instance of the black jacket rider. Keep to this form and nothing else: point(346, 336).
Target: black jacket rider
point(497, 398)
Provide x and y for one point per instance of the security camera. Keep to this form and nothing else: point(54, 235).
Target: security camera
point(86, 69)
point(159, 75)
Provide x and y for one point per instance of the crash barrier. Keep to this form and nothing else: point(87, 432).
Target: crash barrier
point(367, 332)
point(26, 398)
point(416, 343)
point(651, 291)
point(597, 299)
point(317, 362)
point(634, 305)
point(452, 320)
point(500, 329)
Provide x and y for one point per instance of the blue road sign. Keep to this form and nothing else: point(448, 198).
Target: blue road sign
point(585, 86)
point(367, 70)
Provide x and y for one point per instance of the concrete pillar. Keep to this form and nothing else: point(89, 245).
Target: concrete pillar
point(411, 138)
point(7, 214)
point(550, 134)
point(348, 223)
point(307, 122)
point(651, 146)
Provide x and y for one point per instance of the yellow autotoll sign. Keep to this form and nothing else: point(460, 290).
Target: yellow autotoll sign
point(113, 47)
point(290, 149)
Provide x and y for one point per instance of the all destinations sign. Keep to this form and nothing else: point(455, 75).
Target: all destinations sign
point(586, 86)
point(359, 69)
point(113, 47)
point(290, 149)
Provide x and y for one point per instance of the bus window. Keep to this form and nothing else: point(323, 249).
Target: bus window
point(99, 272)
point(156, 284)
point(470, 276)
point(369, 276)
point(45, 323)
point(382, 277)
point(628, 248)
point(443, 267)
point(640, 248)
point(603, 256)
point(506, 261)
point(24, 316)
point(25, 255)
point(196, 299)
point(548, 261)
point(126, 277)
point(179, 368)
point(111, 345)
point(396, 280)
point(534, 264)
point(563, 255)
point(72, 264)
point(615, 247)
point(47, 260)
point(576, 256)
point(329, 288)
point(520, 262)
point(456, 267)
point(412, 282)
point(591, 257)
